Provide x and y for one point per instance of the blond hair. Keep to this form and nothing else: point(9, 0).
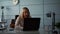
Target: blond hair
point(21, 15)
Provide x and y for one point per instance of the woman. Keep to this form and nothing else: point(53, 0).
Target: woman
point(20, 20)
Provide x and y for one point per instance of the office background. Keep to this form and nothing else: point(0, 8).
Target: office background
point(38, 8)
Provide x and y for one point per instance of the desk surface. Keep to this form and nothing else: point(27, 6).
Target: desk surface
point(2, 22)
point(2, 28)
point(25, 32)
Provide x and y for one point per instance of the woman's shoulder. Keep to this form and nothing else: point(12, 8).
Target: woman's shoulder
point(19, 17)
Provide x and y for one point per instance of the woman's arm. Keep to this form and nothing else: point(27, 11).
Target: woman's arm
point(19, 22)
point(16, 24)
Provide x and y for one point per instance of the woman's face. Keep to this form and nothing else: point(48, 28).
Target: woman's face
point(25, 13)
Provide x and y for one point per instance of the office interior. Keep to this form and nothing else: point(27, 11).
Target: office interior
point(47, 10)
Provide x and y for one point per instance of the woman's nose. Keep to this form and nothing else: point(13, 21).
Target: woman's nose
point(26, 13)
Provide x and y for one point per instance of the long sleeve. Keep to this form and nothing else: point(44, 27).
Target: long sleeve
point(18, 26)
point(17, 21)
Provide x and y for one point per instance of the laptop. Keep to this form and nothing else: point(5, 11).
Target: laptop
point(31, 24)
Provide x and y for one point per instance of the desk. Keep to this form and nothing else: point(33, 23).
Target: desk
point(24, 32)
point(2, 29)
point(2, 22)
point(3, 26)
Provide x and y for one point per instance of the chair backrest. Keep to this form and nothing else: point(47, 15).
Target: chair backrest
point(16, 16)
point(12, 25)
